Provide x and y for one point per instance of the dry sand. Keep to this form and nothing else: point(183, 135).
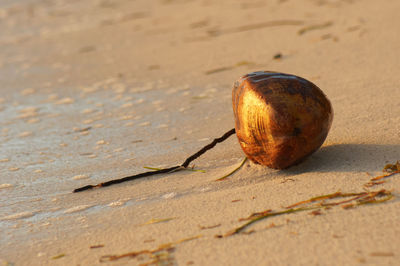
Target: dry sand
point(94, 90)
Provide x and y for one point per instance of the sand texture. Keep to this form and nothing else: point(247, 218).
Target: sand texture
point(97, 89)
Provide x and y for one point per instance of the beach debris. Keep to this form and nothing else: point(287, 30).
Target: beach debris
point(316, 205)
point(280, 119)
point(316, 212)
point(255, 215)
point(183, 166)
point(374, 183)
point(209, 227)
point(76, 129)
point(97, 246)
point(288, 96)
point(233, 171)
point(58, 256)
point(188, 169)
point(163, 255)
point(287, 180)
point(157, 221)
point(277, 56)
point(389, 170)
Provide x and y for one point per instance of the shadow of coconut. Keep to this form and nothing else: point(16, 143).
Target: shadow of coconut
point(348, 158)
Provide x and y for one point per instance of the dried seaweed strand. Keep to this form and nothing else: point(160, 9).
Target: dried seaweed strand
point(162, 171)
point(268, 214)
point(384, 176)
point(374, 183)
point(344, 201)
point(390, 169)
point(163, 247)
point(233, 171)
point(359, 199)
point(256, 214)
point(325, 197)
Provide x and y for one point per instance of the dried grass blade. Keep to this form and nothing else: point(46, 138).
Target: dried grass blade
point(234, 170)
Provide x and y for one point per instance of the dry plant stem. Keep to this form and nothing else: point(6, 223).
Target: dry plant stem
point(162, 171)
point(269, 214)
point(208, 147)
point(328, 196)
point(134, 254)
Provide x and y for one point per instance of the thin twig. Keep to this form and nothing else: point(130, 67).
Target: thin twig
point(208, 147)
point(129, 178)
point(162, 171)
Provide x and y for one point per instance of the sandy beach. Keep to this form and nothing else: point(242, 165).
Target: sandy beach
point(96, 90)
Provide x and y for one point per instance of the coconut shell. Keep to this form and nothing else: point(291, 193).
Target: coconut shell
point(280, 119)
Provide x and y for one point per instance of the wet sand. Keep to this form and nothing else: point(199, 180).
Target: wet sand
point(96, 90)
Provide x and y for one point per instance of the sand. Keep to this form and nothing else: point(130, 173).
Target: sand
point(95, 90)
